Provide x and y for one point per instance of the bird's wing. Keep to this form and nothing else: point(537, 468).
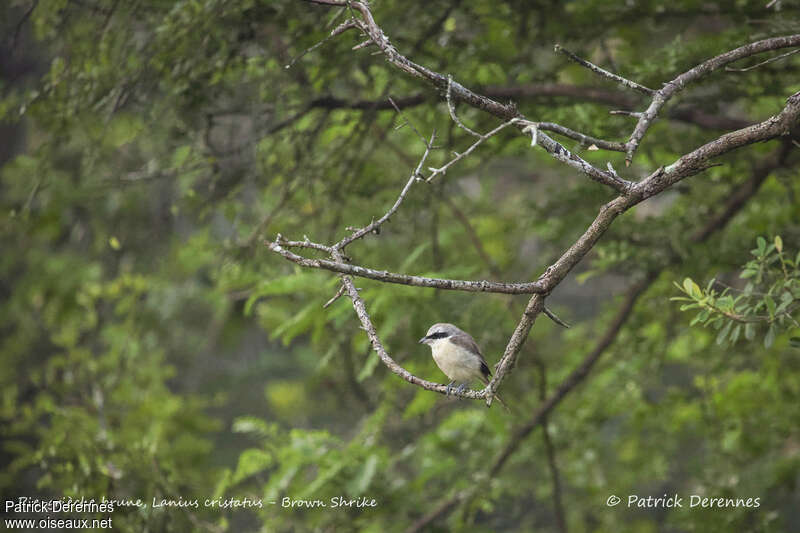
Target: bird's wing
point(469, 344)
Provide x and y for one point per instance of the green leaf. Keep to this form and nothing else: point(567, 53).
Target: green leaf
point(251, 462)
point(778, 243)
point(723, 334)
point(725, 303)
point(702, 316)
point(361, 482)
point(761, 242)
point(770, 305)
point(584, 276)
point(122, 130)
point(298, 324)
point(769, 338)
point(749, 331)
point(180, 155)
point(735, 333)
point(414, 256)
point(692, 289)
point(369, 366)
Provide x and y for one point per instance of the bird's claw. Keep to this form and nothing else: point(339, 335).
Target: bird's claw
point(449, 388)
point(460, 389)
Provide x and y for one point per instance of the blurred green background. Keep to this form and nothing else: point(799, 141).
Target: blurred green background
point(152, 347)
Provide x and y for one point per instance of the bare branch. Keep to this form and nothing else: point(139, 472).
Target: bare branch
point(481, 138)
point(332, 3)
point(339, 294)
point(374, 225)
point(606, 74)
point(585, 140)
point(404, 279)
point(762, 63)
point(663, 178)
point(565, 156)
point(368, 26)
point(279, 240)
point(452, 109)
point(703, 69)
point(341, 28)
point(552, 316)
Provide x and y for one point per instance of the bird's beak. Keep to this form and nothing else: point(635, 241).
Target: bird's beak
point(423, 339)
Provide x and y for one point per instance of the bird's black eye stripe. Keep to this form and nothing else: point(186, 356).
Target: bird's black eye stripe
point(437, 335)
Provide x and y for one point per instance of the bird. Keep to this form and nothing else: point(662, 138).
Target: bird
point(457, 355)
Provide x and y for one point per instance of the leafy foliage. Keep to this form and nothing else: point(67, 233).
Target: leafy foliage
point(769, 297)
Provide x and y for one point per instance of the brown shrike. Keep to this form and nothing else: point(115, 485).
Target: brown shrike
point(458, 356)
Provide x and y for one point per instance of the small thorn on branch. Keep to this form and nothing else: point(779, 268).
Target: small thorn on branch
point(341, 28)
point(336, 296)
point(634, 114)
point(533, 129)
point(552, 316)
point(363, 44)
point(611, 169)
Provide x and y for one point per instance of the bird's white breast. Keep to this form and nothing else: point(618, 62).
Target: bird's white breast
point(457, 363)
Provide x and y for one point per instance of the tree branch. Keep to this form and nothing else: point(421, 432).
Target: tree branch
point(403, 279)
point(604, 73)
point(374, 225)
point(670, 88)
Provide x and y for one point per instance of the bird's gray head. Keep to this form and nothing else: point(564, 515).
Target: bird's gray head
point(439, 331)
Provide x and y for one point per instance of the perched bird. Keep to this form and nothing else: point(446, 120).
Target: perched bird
point(458, 356)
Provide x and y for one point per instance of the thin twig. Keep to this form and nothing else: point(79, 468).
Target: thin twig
point(305, 243)
point(481, 138)
point(552, 316)
point(550, 451)
point(341, 28)
point(21, 23)
point(586, 140)
point(410, 124)
point(603, 72)
point(634, 114)
point(375, 224)
point(765, 62)
point(452, 109)
point(339, 294)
